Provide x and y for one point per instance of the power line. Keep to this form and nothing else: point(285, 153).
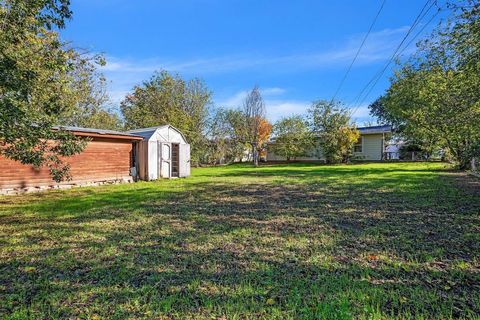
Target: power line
point(421, 31)
point(398, 55)
point(358, 51)
point(381, 71)
point(378, 75)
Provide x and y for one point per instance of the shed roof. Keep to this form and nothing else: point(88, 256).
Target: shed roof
point(147, 133)
point(92, 132)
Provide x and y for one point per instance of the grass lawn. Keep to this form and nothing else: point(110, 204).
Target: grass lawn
point(371, 241)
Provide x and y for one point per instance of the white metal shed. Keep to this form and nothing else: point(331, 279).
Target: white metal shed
point(163, 153)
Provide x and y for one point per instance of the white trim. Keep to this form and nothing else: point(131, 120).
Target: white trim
point(359, 144)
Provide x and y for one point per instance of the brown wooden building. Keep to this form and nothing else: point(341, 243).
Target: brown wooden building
point(107, 158)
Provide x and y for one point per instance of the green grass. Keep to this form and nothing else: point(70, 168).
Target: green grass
point(370, 241)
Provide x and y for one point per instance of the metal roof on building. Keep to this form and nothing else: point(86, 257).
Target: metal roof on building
point(96, 131)
point(147, 133)
point(375, 129)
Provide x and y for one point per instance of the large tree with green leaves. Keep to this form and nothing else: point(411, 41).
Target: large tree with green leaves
point(292, 137)
point(168, 99)
point(416, 138)
point(436, 94)
point(226, 136)
point(37, 84)
point(92, 107)
point(331, 123)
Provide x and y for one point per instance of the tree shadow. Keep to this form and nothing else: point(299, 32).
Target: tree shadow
point(402, 245)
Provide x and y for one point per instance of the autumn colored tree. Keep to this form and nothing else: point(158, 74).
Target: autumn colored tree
point(229, 138)
point(264, 131)
point(254, 112)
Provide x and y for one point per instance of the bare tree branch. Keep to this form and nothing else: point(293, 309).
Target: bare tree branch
point(254, 110)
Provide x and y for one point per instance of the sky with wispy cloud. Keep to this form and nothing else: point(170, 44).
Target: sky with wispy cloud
point(296, 51)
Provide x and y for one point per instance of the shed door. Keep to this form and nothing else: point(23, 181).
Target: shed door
point(184, 160)
point(165, 159)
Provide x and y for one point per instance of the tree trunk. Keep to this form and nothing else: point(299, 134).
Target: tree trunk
point(254, 154)
point(464, 164)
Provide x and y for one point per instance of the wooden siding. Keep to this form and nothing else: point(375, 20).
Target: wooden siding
point(103, 159)
point(372, 147)
point(142, 159)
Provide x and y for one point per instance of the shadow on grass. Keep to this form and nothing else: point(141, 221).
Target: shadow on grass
point(401, 245)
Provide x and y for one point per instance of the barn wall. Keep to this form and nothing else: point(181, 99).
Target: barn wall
point(102, 159)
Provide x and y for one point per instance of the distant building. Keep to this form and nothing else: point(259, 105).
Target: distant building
point(392, 149)
point(371, 146)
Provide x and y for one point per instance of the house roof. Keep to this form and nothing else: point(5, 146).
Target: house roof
point(92, 132)
point(375, 129)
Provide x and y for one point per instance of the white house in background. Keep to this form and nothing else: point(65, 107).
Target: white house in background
point(371, 146)
point(163, 153)
point(392, 150)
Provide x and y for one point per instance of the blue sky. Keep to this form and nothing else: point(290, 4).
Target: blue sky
point(296, 51)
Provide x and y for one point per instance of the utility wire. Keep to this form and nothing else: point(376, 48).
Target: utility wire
point(414, 24)
point(381, 71)
point(378, 75)
point(421, 31)
point(397, 56)
point(358, 51)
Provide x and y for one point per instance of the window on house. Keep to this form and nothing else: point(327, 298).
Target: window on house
point(358, 146)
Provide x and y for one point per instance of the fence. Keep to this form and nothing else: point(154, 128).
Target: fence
point(407, 156)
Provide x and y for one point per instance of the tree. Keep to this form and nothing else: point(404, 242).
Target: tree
point(36, 84)
point(421, 140)
point(226, 137)
point(254, 112)
point(331, 122)
point(378, 111)
point(264, 131)
point(440, 107)
point(91, 108)
point(436, 94)
point(292, 137)
point(168, 99)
